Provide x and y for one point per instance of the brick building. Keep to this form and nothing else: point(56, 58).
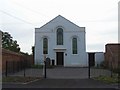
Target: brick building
point(112, 52)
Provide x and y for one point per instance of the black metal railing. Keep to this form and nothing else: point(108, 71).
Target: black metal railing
point(16, 66)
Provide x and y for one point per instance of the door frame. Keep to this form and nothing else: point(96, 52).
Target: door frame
point(62, 62)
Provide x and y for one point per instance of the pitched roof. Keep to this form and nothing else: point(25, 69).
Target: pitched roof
point(59, 16)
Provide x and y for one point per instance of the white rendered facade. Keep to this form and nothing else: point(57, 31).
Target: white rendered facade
point(70, 31)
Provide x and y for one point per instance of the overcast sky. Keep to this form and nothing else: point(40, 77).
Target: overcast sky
point(100, 17)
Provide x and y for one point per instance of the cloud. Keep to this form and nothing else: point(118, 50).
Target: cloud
point(95, 47)
point(98, 16)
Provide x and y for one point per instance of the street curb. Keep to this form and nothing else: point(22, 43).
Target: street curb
point(32, 81)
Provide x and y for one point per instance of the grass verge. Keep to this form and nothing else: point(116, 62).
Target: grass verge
point(41, 66)
point(19, 79)
point(108, 79)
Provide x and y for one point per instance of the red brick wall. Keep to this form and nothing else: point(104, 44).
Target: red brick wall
point(112, 51)
point(12, 56)
point(0, 52)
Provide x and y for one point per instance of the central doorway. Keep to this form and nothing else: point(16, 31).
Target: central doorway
point(60, 58)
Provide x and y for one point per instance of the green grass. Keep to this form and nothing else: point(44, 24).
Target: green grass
point(41, 66)
point(37, 66)
point(108, 79)
point(19, 79)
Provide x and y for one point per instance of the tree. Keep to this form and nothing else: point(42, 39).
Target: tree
point(33, 52)
point(24, 53)
point(9, 43)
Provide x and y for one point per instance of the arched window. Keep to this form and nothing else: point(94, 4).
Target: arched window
point(45, 46)
point(59, 36)
point(74, 45)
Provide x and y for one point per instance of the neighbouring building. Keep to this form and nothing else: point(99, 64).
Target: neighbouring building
point(0, 52)
point(62, 41)
point(112, 53)
point(95, 58)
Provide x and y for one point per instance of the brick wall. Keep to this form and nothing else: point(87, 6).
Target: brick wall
point(0, 52)
point(12, 56)
point(112, 52)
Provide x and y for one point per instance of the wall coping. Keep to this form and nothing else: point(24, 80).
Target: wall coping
point(5, 51)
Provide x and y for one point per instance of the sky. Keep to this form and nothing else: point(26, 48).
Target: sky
point(100, 17)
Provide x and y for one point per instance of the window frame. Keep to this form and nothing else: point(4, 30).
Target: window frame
point(74, 46)
point(45, 47)
point(59, 39)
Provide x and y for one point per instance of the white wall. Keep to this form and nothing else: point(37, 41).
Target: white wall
point(70, 30)
point(99, 57)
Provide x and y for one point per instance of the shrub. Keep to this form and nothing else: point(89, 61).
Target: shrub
point(117, 70)
point(39, 66)
point(108, 79)
point(103, 64)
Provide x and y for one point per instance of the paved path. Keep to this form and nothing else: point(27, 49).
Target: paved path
point(61, 77)
point(64, 73)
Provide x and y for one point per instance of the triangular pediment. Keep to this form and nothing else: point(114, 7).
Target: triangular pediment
point(60, 21)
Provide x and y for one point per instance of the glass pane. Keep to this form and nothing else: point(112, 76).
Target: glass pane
point(74, 45)
point(59, 36)
point(45, 46)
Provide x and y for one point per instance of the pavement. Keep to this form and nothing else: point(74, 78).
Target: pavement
point(62, 83)
point(64, 73)
point(63, 78)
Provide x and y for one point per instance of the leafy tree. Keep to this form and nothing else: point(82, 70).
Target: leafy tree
point(24, 53)
point(9, 43)
point(33, 52)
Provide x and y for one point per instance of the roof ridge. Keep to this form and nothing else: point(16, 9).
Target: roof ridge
point(63, 18)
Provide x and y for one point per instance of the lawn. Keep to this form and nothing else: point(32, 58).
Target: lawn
point(108, 79)
point(41, 66)
point(19, 79)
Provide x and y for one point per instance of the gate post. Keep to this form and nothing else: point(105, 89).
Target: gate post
point(89, 69)
point(24, 67)
point(45, 69)
point(111, 69)
point(13, 66)
point(6, 73)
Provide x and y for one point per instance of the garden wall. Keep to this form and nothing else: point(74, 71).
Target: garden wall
point(12, 56)
point(112, 55)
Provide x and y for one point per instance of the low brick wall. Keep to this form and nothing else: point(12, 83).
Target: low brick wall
point(12, 56)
